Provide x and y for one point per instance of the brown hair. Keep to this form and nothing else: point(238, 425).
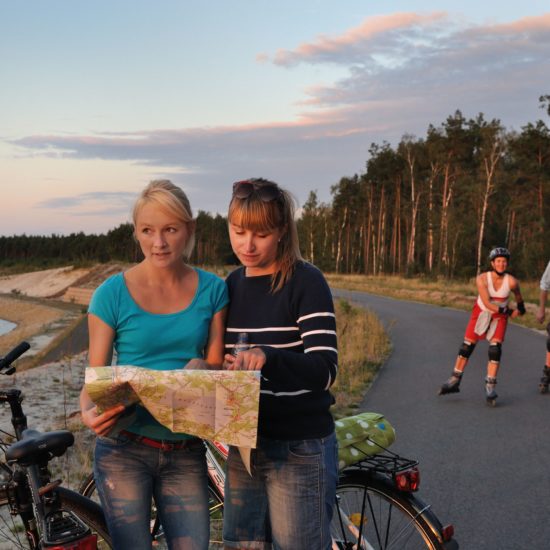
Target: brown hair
point(170, 198)
point(256, 214)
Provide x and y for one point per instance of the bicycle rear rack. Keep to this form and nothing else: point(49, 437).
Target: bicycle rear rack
point(62, 527)
point(387, 462)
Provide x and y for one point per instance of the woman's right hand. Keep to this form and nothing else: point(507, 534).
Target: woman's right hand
point(102, 423)
point(252, 359)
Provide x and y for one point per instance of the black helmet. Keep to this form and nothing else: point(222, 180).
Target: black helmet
point(498, 252)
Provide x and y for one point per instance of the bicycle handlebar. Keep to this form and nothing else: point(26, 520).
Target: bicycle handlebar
point(16, 352)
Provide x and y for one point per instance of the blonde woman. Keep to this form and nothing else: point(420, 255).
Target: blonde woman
point(160, 314)
point(285, 306)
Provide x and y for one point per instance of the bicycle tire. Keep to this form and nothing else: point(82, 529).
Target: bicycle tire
point(371, 514)
point(12, 532)
point(87, 487)
point(215, 505)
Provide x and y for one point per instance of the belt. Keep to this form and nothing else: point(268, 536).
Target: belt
point(156, 443)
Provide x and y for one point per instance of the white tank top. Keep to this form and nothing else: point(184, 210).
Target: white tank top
point(502, 294)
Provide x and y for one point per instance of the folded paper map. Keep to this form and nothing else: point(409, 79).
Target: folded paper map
point(211, 404)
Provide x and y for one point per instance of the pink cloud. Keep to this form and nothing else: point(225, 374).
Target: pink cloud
point(371, 28)
point(526, 24)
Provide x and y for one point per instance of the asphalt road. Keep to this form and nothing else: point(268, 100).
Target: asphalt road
point(485, 470)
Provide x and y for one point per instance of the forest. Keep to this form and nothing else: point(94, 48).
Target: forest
point(430, 206)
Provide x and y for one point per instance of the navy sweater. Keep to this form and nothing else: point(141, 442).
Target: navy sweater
point(296, 329)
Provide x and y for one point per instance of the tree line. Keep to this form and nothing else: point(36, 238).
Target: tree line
point(435, 205)
point(431, 206)
point(212, 246)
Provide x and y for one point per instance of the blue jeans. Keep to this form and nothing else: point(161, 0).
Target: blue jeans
point(129, 474)
point(287, 503)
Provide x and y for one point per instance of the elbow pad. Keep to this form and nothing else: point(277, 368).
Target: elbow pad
point(521, 307)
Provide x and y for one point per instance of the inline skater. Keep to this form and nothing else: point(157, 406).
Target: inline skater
point(541, 315)
point(488, 321)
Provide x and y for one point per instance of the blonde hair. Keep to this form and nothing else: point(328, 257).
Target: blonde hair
point(170, 198)
point(255, 214)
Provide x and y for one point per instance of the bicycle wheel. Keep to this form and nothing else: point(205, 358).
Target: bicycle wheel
point(12, 532)
point(215, 505)
point(370, 514)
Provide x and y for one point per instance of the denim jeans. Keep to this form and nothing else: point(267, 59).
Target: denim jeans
point(129, 474)
point(287, 503)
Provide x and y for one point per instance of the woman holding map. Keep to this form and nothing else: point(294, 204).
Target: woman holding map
point(285, 306)
point(159, 314)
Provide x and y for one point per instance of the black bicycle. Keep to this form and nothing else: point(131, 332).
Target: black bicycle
point(376, 505)
point(36, 512)
point(376, 508)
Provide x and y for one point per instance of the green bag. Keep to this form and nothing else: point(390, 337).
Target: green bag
point(362, 435)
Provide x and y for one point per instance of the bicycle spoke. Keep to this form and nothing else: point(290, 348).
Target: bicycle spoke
point(12, 534)
point(370, 515)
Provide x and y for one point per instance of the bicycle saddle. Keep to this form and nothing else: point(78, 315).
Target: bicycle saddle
point(34, 445)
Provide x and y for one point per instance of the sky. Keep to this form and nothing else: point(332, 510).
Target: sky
point(98, 98)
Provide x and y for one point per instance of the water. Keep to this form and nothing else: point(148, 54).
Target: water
point(6, 326)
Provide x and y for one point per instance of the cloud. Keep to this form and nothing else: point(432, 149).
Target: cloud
point(112, 203)
point(406, 55)
point(301, 155)
point(405, 71)
point(390, 35)
point(415, 69)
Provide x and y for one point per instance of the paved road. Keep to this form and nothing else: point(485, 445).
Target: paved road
point(486, 470)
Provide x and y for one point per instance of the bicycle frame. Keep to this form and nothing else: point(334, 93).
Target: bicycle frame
point(28, 491)
point(216, 470)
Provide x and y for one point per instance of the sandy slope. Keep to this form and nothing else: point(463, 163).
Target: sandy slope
point(37, 322)
point(43, 284)
point(32, 301)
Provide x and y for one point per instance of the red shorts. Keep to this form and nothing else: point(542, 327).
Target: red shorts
point(500, 331)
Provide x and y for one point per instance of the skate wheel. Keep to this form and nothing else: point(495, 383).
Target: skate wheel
point(543, 388)
point(492, 402)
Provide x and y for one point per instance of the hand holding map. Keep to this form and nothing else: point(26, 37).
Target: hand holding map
point(211, 404)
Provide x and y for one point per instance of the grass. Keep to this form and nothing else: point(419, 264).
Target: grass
point(363, 346)
point(442, 292)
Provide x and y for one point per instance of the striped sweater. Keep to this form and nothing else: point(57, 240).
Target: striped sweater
point(296, 329)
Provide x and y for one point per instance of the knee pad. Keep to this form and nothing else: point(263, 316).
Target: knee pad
point(466, 349)
point(495, 351)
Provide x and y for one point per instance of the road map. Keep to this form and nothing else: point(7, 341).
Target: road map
point(211, 404)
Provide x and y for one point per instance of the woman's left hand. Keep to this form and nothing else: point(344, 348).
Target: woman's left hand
point(199, 364)
point(252, 359)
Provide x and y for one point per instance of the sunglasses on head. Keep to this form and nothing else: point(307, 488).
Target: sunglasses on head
point(266, 190)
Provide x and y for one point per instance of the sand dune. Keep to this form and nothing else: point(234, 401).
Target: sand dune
point(34, 302)
point(43, 284)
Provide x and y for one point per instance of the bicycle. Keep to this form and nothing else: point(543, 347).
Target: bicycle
point(377, 510)
point(42, 513)
point(375, 505)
